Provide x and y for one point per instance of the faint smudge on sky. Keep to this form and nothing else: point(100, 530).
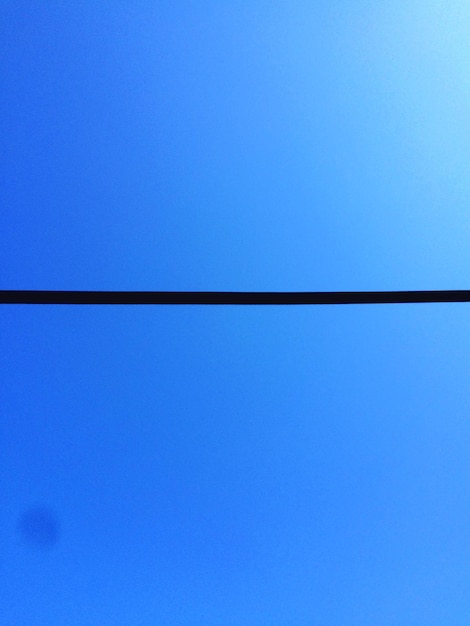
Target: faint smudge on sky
point(39, 527)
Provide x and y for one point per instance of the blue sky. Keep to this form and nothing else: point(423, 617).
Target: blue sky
point(210, 466)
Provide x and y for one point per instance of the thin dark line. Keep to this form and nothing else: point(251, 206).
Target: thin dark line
point(231, 297)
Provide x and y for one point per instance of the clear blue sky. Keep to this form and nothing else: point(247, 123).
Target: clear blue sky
point(235, 466)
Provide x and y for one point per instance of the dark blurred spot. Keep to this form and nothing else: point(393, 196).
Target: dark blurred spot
point(39, 527)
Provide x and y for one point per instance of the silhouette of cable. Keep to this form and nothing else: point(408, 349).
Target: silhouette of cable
point(231, 297)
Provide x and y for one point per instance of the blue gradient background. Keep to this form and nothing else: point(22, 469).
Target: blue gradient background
point(226, 466)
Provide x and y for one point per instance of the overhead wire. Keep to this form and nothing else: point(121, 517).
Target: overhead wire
point(230, 297)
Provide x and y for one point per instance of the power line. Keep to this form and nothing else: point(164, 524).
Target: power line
point(231, 297)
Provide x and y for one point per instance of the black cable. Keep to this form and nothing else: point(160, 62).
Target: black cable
point(231, 297)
